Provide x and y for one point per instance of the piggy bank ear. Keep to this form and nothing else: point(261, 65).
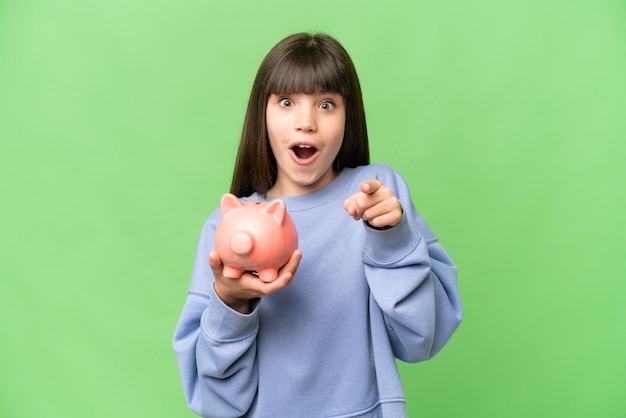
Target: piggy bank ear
point(277, 209)
point(229, 202)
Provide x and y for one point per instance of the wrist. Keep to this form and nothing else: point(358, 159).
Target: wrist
point(377, 228)
point(240, 305)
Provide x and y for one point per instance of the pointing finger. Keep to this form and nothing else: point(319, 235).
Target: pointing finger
point(370, 186)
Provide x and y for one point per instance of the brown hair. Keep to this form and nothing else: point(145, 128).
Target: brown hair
point(300, 63)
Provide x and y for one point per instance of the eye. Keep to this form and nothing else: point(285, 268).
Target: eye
point(327, 105)
point(285, 102)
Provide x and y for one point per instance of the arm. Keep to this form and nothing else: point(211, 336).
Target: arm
point(216, 353)
point(215, 345)
point(415, 286)
point(215, 339)
point(411, 277)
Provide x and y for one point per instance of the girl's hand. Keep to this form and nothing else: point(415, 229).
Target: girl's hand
point(375, 204)
point(237, 292)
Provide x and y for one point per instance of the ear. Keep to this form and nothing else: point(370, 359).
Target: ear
point(277, 209)
point(229, 202)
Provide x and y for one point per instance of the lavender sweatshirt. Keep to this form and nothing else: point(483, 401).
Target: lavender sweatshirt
point(326, 345)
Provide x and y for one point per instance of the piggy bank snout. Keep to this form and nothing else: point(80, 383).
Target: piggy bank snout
point(242, 243)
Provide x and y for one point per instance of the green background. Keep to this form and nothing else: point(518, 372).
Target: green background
point(119, 123)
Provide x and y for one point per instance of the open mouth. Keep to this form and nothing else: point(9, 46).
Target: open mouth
point(304, 152)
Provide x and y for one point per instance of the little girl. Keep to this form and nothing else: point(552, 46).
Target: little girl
point(372, 283)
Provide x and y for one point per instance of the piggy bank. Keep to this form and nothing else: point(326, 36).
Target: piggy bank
point(254, 236)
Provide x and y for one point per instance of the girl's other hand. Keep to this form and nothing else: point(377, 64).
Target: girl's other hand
point(237, 292)
point(375, 204)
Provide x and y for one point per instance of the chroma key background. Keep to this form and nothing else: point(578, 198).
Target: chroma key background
point(119, 123)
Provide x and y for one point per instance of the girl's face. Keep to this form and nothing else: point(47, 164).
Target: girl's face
point(305, 134)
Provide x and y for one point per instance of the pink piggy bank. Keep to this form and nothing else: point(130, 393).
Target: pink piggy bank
point(254, 236)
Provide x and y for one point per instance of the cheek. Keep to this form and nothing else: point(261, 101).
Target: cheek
point(275, 126)
point(272, 133)
point(341, 126)
point(339, 134)
point(336, 145)
point(272, 141)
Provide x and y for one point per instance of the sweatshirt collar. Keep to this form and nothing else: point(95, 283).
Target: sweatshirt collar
point(331, 191)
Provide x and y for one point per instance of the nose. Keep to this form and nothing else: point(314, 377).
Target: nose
point(305, 120)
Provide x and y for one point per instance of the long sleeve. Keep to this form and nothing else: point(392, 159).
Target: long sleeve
point(327, 344)
point(413, 281)
point(215, 346)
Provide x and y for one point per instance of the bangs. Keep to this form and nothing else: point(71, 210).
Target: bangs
point(309, 71)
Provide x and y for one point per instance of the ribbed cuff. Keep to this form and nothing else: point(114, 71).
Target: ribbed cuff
point(222, 323)
point(389, 245)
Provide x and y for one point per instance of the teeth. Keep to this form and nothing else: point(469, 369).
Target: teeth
point(304, 146)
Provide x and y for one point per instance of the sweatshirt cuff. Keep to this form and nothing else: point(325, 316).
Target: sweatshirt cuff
point(221, 323)
point(387, 246)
